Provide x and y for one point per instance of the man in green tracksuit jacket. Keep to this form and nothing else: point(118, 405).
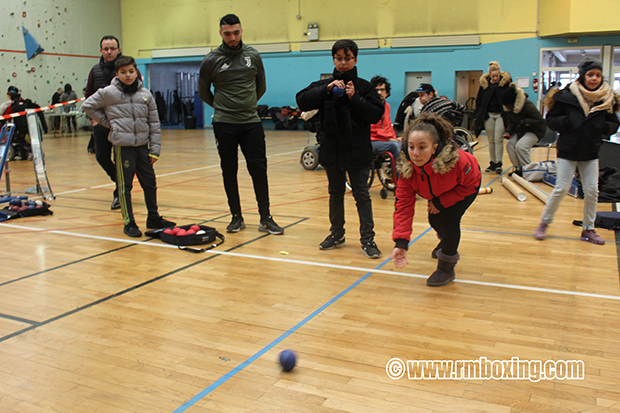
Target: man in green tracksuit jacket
point(236, 72)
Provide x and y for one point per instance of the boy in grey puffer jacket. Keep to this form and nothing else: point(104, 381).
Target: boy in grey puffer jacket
point(129, 110)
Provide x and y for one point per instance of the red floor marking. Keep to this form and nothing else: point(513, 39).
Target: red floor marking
point(299, 202)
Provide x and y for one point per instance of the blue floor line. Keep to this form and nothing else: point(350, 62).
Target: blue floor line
point(275, 342)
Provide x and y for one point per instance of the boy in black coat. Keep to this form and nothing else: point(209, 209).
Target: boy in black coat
point(347, 106)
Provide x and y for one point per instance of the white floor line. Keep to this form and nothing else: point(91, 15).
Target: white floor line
point(324, 265)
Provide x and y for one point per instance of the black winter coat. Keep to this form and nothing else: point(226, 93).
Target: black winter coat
point(345, 123)
point(580, 137)
point(524, 117)
point(487, 92)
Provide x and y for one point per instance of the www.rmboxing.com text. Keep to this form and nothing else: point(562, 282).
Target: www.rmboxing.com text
point(484, 369)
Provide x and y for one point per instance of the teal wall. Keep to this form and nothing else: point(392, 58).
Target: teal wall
point(287, 73)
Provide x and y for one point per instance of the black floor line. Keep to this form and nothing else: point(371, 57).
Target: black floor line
point(67, 264)
point(18, 319)
point(135, 287)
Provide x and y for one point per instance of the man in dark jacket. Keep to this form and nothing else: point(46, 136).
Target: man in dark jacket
point(450, 110)
point(525, 127)
point(238, 77)
point(56, 99)
point(347, 106)
point(99, 77)
point(21, 138)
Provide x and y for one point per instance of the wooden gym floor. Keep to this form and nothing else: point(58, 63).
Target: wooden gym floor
point(94, 321)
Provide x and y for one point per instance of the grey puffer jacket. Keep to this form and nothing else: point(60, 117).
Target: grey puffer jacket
point(132, 118)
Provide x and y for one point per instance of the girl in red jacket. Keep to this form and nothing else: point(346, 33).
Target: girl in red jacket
point(433, 166)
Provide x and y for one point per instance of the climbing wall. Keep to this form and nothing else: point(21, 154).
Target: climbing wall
point(68, 31)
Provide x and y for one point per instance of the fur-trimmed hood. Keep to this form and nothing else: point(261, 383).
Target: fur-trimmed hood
point(519, 101)
point(504, 79)
point(549, 98)
point(442, 163)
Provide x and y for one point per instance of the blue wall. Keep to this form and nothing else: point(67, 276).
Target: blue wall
point(287, 73)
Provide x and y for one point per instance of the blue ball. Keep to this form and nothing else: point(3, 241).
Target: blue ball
point(288, 360)
point(337, 91)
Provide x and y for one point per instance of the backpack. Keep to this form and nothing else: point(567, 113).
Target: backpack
point(21, 123)
point(608, 220)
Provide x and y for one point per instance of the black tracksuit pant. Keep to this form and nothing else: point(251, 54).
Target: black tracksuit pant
point(130, 161)
point(103, 152)
point(250, 137)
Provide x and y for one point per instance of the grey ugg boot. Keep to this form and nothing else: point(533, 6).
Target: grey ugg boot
point(444, 273)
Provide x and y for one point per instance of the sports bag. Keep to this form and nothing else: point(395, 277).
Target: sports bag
point(535, 171)
point(205, 235)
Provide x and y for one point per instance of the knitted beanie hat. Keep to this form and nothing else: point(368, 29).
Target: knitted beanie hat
point(587, 64)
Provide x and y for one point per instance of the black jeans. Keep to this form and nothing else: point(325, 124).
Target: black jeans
point(71, 120)
point(250, 137)
point(134, 160)
point(358, 178)
point(103, 152)
point(447, 223)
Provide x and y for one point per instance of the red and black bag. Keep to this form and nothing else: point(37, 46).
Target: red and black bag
point(205, 235)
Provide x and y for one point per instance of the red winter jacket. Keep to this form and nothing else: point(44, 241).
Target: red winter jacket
point(445, 180)
point(383, 130)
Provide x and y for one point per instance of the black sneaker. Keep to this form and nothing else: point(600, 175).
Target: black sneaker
point(159, 222)
point(270, 226)
point(518, 172)
point(370, 249)
point(498, 168)
point(116, 204)
point(332, 242)
point(132, 230)
point(236, 224)
point(491, 167)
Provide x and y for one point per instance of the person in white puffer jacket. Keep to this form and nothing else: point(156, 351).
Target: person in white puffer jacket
point(129, 110)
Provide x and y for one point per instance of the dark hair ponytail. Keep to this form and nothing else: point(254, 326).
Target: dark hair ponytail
point(437, 127)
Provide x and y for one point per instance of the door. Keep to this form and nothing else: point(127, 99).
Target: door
point(413, 80)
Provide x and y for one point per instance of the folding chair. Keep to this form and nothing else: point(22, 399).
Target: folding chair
point(548, 141)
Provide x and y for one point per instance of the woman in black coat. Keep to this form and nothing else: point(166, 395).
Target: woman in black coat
point(583, 113)
point(489, 114)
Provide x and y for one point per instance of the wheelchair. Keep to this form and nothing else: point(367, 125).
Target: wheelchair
point(462, 135)
point(310, 157)
point(384, 165)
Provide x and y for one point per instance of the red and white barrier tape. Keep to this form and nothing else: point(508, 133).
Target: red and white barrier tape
point(57, 105)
